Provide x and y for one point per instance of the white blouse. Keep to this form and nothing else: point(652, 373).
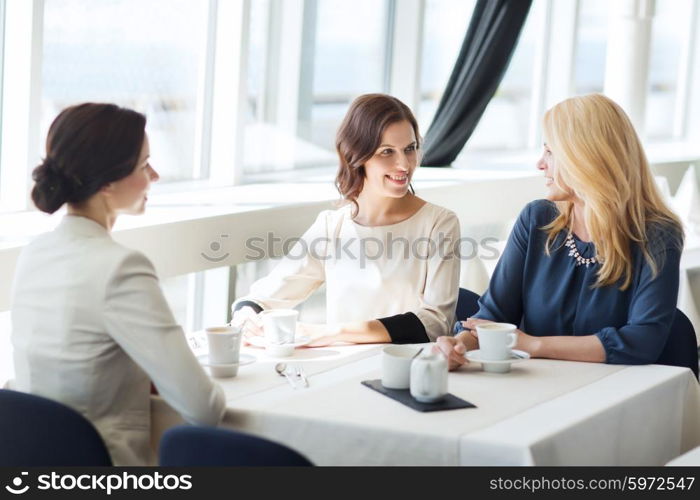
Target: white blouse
point(372, 272)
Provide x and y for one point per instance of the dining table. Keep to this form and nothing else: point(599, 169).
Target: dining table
point(543, 412)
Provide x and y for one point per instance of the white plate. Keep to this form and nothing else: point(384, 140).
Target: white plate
point(515, 356)
point(260, 341)
point(244, 359)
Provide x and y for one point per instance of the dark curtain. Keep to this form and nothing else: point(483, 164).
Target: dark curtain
point(486, 51)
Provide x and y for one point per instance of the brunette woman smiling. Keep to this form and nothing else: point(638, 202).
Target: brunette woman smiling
point(389, 259)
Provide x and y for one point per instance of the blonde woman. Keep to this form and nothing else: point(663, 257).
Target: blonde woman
point(591, 272)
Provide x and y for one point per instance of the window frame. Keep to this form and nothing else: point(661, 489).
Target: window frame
point(21, 106)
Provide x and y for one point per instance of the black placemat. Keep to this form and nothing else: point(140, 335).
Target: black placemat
point(450, 402)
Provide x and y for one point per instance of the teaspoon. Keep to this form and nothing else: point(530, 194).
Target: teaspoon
point(281, 369)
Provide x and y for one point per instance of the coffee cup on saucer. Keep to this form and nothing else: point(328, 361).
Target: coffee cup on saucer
point(224, 350)
point(496, 340)
point(279, 327)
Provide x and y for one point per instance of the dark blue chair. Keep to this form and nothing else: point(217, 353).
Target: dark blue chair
point(191, 446)
point(467, 304)
point(35, 431)
point(681, 348)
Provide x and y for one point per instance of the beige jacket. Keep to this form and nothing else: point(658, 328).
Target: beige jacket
point(91, 329)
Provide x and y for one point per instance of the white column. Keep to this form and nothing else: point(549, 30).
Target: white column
point(687, 72)
point(229, 91)
point(286, 91)
point(286, 62)
point(540, 65)
point(627, 62)
point(307, 67)
point(561, 47)
point(205, 91)
point(407, 51)
point(21, 100)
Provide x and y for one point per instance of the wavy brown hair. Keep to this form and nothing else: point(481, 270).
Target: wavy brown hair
point(360, 135)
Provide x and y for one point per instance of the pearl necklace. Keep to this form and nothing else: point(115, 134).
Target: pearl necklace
point(573, 252)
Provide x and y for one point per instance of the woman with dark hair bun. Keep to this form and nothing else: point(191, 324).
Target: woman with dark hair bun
point(389, 260)
point(90, 325)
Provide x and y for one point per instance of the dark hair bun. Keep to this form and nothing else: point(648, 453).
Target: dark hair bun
point(88, 146)
point(52, 188)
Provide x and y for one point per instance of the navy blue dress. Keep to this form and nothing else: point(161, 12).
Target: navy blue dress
point(550, 295)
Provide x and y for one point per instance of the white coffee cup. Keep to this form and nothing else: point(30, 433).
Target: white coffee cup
point(279, 327)
point(224, 349)
point(496, 340)
point(396, 366)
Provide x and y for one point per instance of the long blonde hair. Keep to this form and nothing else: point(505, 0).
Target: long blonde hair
point(599, 157)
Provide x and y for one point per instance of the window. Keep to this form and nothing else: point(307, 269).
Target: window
point(591, 41)
point(304, 63)
point(670, 31)
point(345, 64)
point(132, 53)
point(446, 23)
point(505, 123)
point(337, 52)
point(198, 299)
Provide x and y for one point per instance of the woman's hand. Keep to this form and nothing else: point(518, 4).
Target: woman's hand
point(321, 334)
point(454, 350)
point(249, 321)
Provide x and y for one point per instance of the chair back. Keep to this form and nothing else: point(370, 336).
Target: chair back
point(192, 446)
point(467, 304)
point(36, 431)
point(681, 348)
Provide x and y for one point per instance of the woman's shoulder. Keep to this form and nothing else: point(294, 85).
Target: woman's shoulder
point(343, 211)
point(663, 236)
point(538, 213)
point(436, 212)
point(330, 218)
point(115, 259)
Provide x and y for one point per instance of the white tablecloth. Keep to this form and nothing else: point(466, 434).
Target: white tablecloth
point(544, 412)
point(689, 459)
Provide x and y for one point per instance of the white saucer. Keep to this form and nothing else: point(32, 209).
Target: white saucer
point(225, 370)
point(244, 359)
point(260, 341)
point(500, 366)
